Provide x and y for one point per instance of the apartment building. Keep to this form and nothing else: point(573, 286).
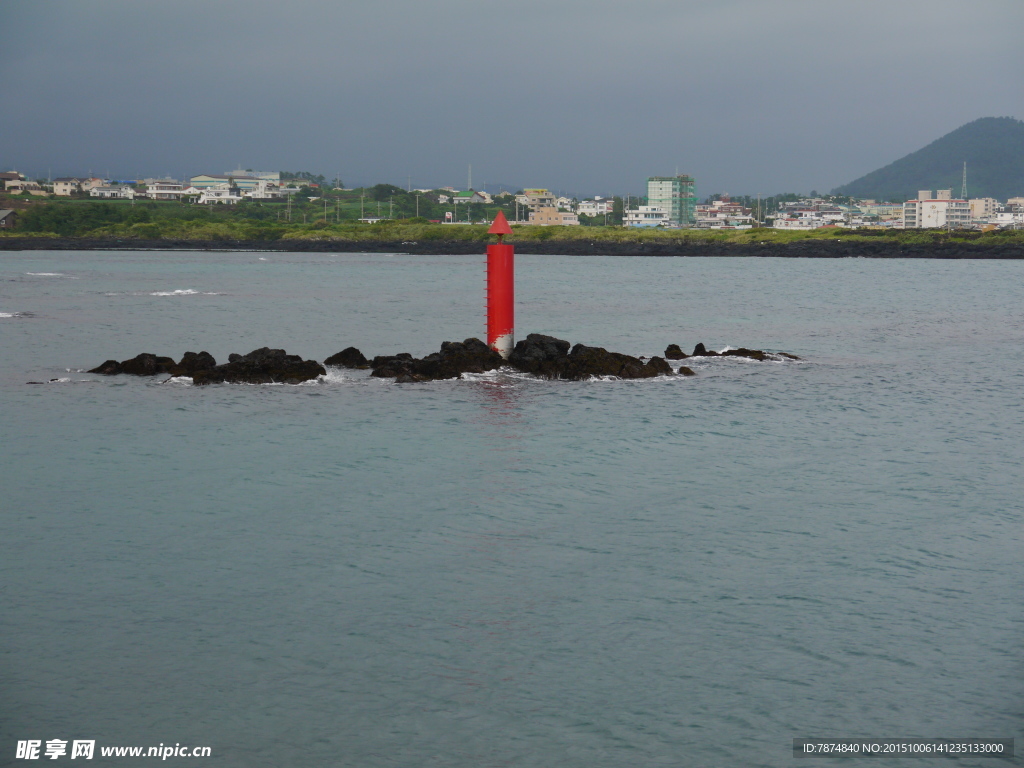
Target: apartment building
point(676, 195)
point(940, 210)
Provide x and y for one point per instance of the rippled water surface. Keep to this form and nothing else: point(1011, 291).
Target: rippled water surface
point(504, 571)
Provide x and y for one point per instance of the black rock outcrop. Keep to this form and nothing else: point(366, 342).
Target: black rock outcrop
point(540, 355)
point(454, 359)
point(193, 362)
point(700, 351)
point(552, 358)
point(673, 352)
point(350, 357)
point(145, 364)
point(753, 354)
point(150, 365)
point(261, 366)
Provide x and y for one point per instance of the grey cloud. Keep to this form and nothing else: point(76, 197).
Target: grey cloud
point(581, 96)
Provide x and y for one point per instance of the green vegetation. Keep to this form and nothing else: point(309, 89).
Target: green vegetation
point(335, 218)
point(992, 147)
point(250, 221)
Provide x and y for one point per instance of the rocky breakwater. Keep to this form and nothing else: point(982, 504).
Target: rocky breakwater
point(148, 364)
point(261, 366)
point(454, 359)
point(543, 356)
point(673, 352)
point(552, 358)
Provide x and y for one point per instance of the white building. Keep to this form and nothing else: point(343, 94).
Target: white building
point(264, 190)
point(646, 216)
point(943, 210)
point(164, 189)
point(222, 193)
point(599, 206)
point(724, 214)
point(1010, 219)
point(119, 192)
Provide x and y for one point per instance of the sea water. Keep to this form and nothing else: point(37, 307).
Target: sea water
point(502, 571)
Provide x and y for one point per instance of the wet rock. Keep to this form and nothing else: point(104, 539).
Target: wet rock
point(753, 354)
point(673, 352)
point(757, 354)
point(552, 358)
point(684, 371)
point(261, 366)
point(391, 366)
point(193, 362)
point(540, 355)
point(411, 378)
point(108, 368)
point(141, 365)
point(454, 359)
point(660, 365)
point(350, 357)
point(700, 351)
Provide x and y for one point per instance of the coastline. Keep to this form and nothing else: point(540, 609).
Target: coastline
point(809, 248)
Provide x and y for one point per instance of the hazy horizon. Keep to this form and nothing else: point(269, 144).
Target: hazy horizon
point(581, 98)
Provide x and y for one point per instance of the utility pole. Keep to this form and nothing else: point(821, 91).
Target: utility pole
point(417, 206)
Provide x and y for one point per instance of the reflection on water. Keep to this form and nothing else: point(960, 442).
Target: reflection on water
point(501, 414)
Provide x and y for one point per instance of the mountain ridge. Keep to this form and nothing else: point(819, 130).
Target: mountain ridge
point(992, 147)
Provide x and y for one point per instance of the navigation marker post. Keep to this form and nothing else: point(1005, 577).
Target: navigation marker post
point(500, 289)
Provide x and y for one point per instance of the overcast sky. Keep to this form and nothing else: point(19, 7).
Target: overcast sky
point(583, 97)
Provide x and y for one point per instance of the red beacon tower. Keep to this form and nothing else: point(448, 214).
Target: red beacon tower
point(501, 318)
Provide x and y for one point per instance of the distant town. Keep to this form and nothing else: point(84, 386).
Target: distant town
point(670, 203)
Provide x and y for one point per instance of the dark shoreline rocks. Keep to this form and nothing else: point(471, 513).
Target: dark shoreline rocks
point(261, 366)
point(552, 358)
point(148, 364)
point(350, 357)
point(543, 356)
point(454, 359)
point(839, 248)
point(754, 354)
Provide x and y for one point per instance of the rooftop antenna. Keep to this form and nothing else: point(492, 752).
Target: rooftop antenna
point(963, 190)
point(470, 179)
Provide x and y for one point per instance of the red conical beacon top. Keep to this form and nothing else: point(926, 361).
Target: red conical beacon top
point(500, 226)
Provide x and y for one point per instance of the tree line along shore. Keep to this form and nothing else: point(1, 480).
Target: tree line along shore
point(104, 225)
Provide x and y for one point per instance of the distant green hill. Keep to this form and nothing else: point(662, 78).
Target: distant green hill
point(993, 148)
